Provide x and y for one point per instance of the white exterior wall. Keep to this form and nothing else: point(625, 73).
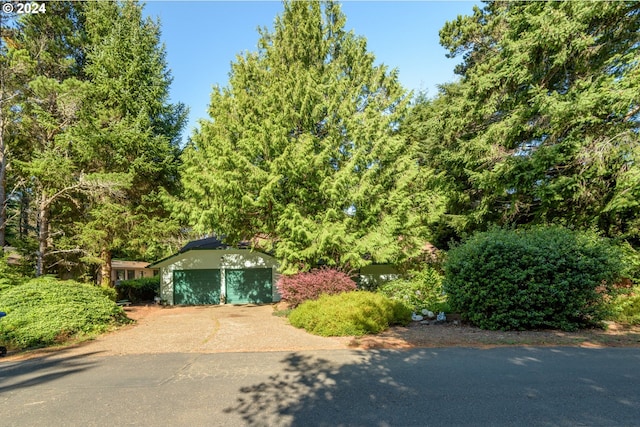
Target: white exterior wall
point(372, 276)
point(222, 259)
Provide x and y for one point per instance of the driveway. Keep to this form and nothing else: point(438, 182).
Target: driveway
point(205, 329)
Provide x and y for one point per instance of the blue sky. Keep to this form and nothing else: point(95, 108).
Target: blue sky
point(202, 38)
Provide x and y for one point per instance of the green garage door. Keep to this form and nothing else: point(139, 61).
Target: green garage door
point(252, 285)
point(192, 287)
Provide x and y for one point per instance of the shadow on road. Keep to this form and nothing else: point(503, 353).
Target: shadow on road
point(41, 370)
point(316, 391)
point(446, 387)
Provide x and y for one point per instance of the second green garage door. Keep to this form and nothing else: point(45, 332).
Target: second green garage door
point(194, 287)
point(248, 285)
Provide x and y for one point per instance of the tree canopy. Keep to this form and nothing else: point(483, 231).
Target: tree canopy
point(93, 139)
point(543, 124)
point(302, 152)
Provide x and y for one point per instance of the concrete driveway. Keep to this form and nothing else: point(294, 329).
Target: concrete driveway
point(205, 329)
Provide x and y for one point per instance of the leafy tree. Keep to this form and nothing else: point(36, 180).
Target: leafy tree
point(302, 151)
point(543, 124)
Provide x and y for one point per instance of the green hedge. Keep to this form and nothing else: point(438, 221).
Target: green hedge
point(136, 290)
point(542, 277)
point(349, 313)
point(47, 311)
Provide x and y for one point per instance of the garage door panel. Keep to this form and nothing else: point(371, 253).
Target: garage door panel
point(193, 287)
point(249, 286)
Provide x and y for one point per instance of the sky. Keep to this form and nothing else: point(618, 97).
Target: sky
point(203, 38)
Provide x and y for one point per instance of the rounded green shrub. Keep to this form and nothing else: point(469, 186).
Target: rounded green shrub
point(47, 311)
point(540, 277)
point(136, 290)
point(350, 313)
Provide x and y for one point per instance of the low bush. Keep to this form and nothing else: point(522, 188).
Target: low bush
point(422, 290)
point(625, 308)
point(301, 287)
point(47, 311)
point(350, 313)
point(136, 290)
point(541, 277)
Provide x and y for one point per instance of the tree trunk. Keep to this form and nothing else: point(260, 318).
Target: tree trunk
point(43, 234)
point(105, 268)
point(3, 175)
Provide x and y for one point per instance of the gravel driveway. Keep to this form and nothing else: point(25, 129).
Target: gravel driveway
point(206, 329)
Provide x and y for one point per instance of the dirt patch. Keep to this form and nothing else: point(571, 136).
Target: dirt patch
point(461, 335)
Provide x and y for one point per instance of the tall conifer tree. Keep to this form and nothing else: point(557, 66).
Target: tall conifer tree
point(301, 152)
point(543, 125)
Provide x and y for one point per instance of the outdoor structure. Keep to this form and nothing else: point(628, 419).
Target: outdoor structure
point(374, 275)
point(127, 270)
point(208, 271)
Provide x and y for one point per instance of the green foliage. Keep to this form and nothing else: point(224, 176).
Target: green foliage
point(47, 311)
point(625, 307)
point(143, 289)
point(543, 125)
point(421, 290)
point(109, 292)
point(350, 313)
point(94, 140)
point(302, 149)
point(631, 263)
point(542, 277)
point(9, 276)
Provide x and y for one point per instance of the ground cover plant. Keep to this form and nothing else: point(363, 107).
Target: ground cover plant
point(47, 311)
point(350, 313)
point(541, 277)
point(300, 287)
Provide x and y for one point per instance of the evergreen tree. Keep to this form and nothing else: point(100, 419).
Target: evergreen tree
point(97, 139)
point(131, 130)
point(543, 125)
point(49, 49)
point(302, 151)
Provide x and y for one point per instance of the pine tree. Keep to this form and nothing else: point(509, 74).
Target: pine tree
point(302, 151)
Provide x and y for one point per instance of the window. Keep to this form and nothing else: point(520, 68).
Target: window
point(119, 274)
point(131, 274)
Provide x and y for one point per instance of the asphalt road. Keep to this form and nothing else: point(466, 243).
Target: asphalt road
point(420, 387)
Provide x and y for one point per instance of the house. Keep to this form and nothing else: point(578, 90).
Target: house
point(207, 271)
point(127, 270)
point(372, 276)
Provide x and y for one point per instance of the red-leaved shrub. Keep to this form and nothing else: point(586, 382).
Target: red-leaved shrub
point(301, 287)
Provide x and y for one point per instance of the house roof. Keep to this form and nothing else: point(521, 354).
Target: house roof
point(117, 263)
point(209, 243)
